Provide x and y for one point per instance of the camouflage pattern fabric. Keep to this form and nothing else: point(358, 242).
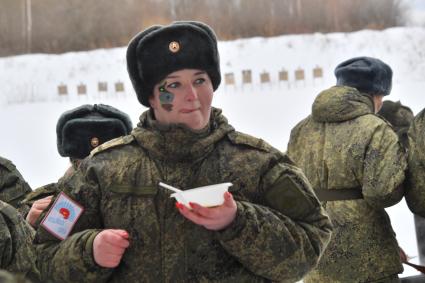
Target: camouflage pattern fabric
point(279, 232)
point(399, 116)
point(42, 192)
point(343, 145)
point(415, 191)
point(7, 277)
point(17, 250)
point(13, 187)
point(37, 194)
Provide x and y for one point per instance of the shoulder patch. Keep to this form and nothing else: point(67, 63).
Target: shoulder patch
point(112, 143)
point(62, 216)
point(248, 140)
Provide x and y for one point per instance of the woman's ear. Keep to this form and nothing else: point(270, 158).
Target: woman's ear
point(152, 102)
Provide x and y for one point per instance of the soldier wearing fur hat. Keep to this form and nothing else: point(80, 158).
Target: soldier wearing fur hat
point(79, 131)
point(356, 166)
point(271, 227)
point(415, 191)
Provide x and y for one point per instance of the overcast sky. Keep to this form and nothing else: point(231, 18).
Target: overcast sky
point(417, 4)
point(417, 12)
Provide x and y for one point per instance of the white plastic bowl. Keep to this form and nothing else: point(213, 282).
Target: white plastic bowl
point(207, 196)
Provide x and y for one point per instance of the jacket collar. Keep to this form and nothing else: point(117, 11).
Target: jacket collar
point(176, 142)
point(341, 103)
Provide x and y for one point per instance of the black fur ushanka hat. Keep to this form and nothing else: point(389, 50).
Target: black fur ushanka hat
point(81, 129)
point(397, 114)
point(366, 74)
point(160, 50)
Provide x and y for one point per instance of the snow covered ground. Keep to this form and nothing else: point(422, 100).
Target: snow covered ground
point(30, 104)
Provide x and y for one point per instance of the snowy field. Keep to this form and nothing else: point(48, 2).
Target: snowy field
point(30, 104)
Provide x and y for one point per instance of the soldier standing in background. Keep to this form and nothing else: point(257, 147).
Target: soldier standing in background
point(400, 117)
point(78, 131)
point(271, 227)
point(415, 185)
point(415, 190)
point(13, 187)
point(356, 166)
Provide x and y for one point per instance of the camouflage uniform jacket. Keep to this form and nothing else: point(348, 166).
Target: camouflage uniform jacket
point(17, 251)
point(278, 235)
point(41, 192)
point(37, 194)
point(7, 277)
point(13, 187)
point(343, 145)
point(415, 192)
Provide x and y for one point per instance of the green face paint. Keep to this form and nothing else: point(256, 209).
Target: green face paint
point(165, 98)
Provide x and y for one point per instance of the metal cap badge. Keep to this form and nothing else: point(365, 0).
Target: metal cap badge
point(94, 142)
point(174, 46)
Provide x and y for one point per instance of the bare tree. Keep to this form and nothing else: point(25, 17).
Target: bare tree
point(70, 25)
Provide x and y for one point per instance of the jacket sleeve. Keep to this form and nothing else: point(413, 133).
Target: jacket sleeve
point(384, 168)
point(71, 260)
point(17, 251)
point(13, 187)
point(282, 239)
point(415, 190)
point(39, 193)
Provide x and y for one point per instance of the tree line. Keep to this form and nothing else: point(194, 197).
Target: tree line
point(57, 26)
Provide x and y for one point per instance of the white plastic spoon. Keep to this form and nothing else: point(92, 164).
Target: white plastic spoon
point(170, 187)
point(177, 192)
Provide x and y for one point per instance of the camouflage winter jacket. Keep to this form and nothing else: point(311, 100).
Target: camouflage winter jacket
point(415, 191)
point(37, 194)
point(7, 277)
point(42, 192)
point(17, 251)
point(13, 187)
point(278, 235)
point(343, 145)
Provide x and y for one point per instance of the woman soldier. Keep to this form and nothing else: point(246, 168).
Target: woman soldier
point(271, 227)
